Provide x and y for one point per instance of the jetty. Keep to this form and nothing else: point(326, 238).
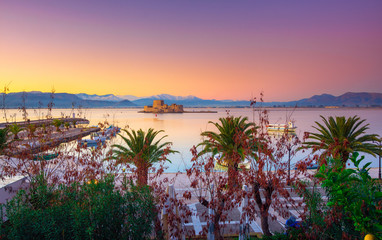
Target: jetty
point(40, 141)
point(46, 122)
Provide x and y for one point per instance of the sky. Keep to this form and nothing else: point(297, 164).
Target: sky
point(212, 49)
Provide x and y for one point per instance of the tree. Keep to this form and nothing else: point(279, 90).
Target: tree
point(353, 206)
point(142, 150)
point(32, 129)
point(3, 139)
point(233, 141)
point(15, 129)
point(339, 137)
point(269, 175)
point(57, 123)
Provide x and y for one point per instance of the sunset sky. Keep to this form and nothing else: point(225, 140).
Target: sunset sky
point(213, 49)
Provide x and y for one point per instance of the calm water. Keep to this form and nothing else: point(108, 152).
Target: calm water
point(184, 129)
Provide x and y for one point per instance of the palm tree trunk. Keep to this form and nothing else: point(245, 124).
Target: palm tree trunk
point(233, 181)
point(143, 174)
point(345, 157)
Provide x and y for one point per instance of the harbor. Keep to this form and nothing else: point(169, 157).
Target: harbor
point(46, 136)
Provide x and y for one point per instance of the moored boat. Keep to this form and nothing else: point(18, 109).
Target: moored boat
point(290, 127)
point(100, 137)
point(45, 156)
point(92, 142)
point(222, 166)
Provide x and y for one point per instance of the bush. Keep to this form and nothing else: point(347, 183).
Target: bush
point(354, 205)
point(79, 211)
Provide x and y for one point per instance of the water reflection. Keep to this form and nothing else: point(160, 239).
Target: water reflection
point(184, 129)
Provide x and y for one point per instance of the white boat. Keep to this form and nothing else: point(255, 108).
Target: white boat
point(290, 127)
point(221, 166)
point(92, 142)
point(100, 137)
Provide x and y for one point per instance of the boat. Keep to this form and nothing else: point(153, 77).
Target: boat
point(111, 131)
point(44, 156)
point(310, 167)
point(93, 142)
point(224, 168)
point(220, 166)
point(290, 127)
point(100, 137)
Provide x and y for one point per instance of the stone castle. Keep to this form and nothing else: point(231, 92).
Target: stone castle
point(159, 107)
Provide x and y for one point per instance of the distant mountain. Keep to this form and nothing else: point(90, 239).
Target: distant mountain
point(193, 102)
point(173, 98)
point(40, 99)
point(107, 97)
point(113, 98)
point(128, 97)
point(66, 100)
point(60, 100)
point(348, 99)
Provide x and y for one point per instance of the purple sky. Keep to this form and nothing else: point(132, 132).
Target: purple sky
point(211, 49)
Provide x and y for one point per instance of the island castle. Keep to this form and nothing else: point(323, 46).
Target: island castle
point(159, 107)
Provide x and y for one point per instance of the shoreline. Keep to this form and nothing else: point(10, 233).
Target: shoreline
point(216, 107)
point(179, 112)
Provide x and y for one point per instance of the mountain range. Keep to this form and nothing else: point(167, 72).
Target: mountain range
point(66, 100)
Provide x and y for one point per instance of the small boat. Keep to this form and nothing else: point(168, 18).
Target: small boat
point(290, 127)
point(221, 166)
point(99, 137)
point(314, 166)
point(92, 142)
point(111, 131)
point(45, 156)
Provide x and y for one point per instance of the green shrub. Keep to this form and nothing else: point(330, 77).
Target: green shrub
point(79, 211)
point(354, 203)
point(3, 139)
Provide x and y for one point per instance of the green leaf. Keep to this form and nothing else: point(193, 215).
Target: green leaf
point(378, 226)
point(366, 165)
point(378, 195)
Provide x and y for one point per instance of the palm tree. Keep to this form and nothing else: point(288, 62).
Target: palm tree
point(339, 137)
point(57, 123)
point(32, 129)
point(15, 129)
point(233, 141)
point(142, 150)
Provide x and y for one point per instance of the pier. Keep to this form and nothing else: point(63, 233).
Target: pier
point(46, 122)
point(41, 142)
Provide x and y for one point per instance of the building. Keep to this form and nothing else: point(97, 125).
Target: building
point(159, 107)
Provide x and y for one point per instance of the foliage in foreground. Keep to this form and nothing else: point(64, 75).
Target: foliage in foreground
point(142, 149)
point(93, 210)
point(353, 208)
point(340, 136)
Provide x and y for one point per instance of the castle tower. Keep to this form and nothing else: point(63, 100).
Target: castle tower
point(158, 104)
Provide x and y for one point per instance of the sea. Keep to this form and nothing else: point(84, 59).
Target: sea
point(184, 129)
